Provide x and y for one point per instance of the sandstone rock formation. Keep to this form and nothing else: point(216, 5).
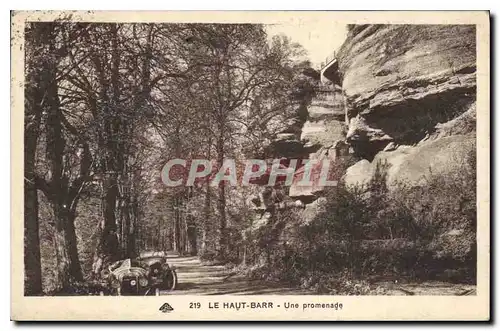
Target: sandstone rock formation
point(326, 118)
point(407, 99)
point(414, 165)
point(400, 81)
point(317, 132)
point(410, 98)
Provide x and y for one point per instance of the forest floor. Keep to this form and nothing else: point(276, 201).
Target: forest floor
point(426, 288)
point(196, 278)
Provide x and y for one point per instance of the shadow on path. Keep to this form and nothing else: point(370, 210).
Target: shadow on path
point(196, 278)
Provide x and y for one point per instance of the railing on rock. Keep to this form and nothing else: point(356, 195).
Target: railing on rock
point(328, 59)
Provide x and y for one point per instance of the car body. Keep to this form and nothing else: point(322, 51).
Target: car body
point(148, 274)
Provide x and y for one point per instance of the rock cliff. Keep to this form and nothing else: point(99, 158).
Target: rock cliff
point(410, 97)
point(407, 99)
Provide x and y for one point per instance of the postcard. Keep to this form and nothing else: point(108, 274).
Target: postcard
point(250, 166)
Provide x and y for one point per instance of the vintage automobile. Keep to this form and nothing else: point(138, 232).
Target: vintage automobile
point(148, 274)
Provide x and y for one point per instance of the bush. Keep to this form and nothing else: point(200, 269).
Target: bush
point(414, 232)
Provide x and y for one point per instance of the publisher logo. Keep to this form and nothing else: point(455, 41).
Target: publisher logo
point(166, 308)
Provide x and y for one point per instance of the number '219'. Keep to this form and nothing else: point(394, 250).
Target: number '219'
point(194, 305)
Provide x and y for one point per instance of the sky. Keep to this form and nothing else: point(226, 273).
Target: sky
point(319, 38)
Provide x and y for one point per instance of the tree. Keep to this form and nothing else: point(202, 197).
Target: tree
point(229, 86)
point(112, 80)
point(68, 165)
point(36, 50)
point(64, 169)
point(239, 72)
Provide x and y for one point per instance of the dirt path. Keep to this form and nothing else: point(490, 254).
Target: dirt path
point(196, 278)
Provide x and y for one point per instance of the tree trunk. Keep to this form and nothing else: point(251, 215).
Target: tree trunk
point(107, 249)
point(121, 210)
point(108, 202)
point(191, 236)
point(75, 268)
point(221, 200)
point(208, 205)
point(177, 227)
point(206, 220)
point(58, 189)
point(37, 38)
point(183, 227)
point(61, 245)
point(32, 265)
point(131, 227)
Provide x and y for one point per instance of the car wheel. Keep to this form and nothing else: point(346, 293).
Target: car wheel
point(170, 281)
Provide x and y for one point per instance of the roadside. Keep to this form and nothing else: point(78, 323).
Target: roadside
point(196, 278)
